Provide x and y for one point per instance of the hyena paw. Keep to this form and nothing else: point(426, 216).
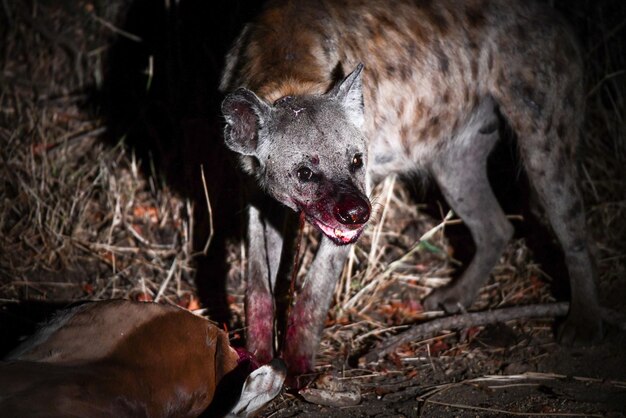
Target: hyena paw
point(298, 364)
point(299, 367)
point(581, 329)
point(450, 299)
point(298, 354)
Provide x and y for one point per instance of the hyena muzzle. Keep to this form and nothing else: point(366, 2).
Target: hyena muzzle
point(436, 81)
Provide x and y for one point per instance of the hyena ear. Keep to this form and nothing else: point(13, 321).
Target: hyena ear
point(245, 114)
point(349, 92)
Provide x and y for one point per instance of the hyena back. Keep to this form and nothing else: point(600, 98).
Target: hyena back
point(437, 79)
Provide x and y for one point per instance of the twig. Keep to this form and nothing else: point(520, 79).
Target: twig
point(606, 78)
point(420, 242)
point(116, 30)
point(476, 319)
point(377, 231)
point(77, 137)
point(150, 245)
point(166, 281)
point(467, 320)
point(208, 203)
point(543, 376)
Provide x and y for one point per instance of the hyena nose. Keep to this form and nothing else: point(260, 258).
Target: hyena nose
point(352, 209)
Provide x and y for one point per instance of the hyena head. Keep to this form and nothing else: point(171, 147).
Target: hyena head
point(308, 152)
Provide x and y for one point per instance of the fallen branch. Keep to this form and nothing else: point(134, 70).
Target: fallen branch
point(467, 320)
point(477, 319)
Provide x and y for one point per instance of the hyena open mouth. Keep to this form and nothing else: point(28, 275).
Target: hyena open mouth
point(342, 220)
point(340, 234)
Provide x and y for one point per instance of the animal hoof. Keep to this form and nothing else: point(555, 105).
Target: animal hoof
point(580, 331)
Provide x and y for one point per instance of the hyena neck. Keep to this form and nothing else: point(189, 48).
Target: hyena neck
point(282, 68)
point(289, 51)
point(273, 90)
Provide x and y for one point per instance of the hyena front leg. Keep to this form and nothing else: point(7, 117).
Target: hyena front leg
point(461, 173)
point(264, 251)
point(306, 321)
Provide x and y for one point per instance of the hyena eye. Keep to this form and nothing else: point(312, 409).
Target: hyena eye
point(305, 174)
point(357, 162)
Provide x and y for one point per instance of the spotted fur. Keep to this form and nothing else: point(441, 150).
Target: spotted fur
point(437, 75)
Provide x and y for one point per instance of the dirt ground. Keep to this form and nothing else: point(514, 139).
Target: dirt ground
point(109, 118)
point(536, 378)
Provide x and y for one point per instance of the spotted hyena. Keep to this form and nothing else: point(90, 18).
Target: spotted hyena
point(327, 97)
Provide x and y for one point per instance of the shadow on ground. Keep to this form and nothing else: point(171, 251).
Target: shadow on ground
point(161, 95)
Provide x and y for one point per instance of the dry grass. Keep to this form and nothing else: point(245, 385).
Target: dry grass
point(79, 219)
point(603, 150)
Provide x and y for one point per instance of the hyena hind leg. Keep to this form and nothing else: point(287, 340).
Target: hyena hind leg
point(552, 174)
point(461, 173)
